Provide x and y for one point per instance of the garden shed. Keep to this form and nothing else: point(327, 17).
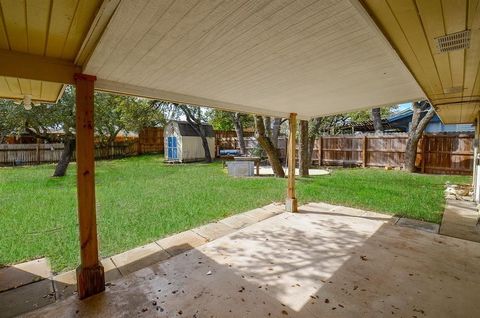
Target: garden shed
point(184, 144)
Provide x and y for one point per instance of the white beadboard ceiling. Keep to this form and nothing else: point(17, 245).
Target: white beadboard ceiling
point(310, 57)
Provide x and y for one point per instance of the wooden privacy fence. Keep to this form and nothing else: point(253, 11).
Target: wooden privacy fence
point(436, 153)
point(28, 154)
point(150, 140)
point(225, 139)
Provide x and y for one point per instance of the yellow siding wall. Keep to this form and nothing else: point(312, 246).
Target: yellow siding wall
point(451, 80)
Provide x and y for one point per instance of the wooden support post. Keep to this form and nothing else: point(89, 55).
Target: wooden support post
point(364, 152)
point(291, 203)
point(90, 274)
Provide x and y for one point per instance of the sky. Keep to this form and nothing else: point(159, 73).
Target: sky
point(404, 106)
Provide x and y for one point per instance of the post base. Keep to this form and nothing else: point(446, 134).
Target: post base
point(291, 205)
point(90, 281)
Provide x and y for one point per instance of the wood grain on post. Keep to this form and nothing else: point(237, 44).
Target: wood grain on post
point(90, 274)
point(291, 202)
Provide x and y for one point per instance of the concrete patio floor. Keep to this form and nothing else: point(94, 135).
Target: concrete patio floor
point(460, 219)
point(326, 261)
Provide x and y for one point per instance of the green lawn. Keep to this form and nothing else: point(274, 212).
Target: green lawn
point(141, 199)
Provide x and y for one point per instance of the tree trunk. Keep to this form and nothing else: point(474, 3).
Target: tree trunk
point(268, 147)
point(237, 123)
point(62, 165)
point(268, 126)
point(303, 156)
point(201, 132)
point(206, 148)
point(377, 120)
point(313, 126)
point(410, 154)
point(277, 122)
point(197, 126)
point(416, 130)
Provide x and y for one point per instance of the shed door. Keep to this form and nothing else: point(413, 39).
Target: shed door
point(172, 148)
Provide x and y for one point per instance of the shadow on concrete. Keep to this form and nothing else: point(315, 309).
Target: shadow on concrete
point(27, 289)
point(300, 265)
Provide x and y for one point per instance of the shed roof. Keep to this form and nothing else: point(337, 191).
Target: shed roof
point(186, 129)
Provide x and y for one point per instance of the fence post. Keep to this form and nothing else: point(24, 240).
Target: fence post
point(364, 152)
point(320, 145)
point(424, 152)
point(38, 153)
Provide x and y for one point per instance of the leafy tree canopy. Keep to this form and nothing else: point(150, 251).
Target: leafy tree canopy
point(223, 120)
point(334, 124)
point(113, 114)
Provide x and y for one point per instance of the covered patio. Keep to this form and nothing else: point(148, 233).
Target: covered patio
point(325, 261)
point(292, 59)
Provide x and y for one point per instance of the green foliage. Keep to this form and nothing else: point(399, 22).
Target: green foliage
point(170, 111)
point(220, 120)
point(10, 120)
point(223, 120)
point(366, 115)
point(42, 119)
point(141, 113)
point(116, 113)
point(336, 123)
point(109, 115)
point(197, 114)
point(113, 113)
point(141, 199)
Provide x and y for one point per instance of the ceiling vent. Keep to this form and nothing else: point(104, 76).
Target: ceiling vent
point(453, 41)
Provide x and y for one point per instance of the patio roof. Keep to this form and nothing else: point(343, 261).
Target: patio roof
point(255, 56)
point(309, 57)
point(314, 58)
point(278, 58)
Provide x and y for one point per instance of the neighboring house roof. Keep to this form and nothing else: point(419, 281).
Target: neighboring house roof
point(402, 119)
point(400, 115)
point(186, 129)
point(405, 116)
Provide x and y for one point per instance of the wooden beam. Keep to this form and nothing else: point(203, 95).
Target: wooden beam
point(152, 93)
point(97, 27)
point(291, 203)
point(90, 274)
point(35, 67)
